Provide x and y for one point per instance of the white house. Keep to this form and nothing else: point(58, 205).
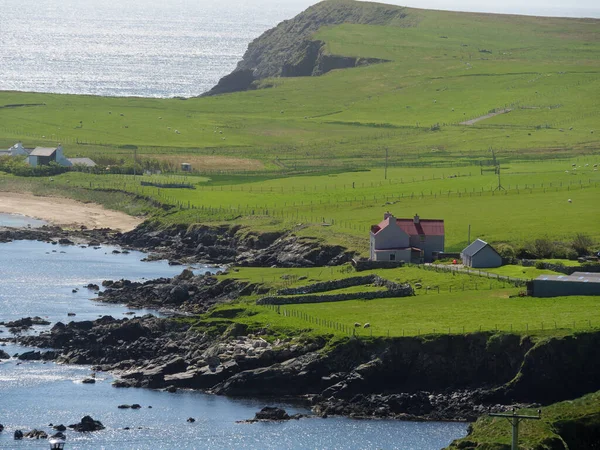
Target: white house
point(410, 240)
point(42, 156)
point(16, 150)
point(480, 255)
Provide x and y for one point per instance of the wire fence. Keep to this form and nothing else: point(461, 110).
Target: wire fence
point(362, 330)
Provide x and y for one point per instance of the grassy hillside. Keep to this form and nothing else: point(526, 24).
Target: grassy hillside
point(445, 68)
point(312, 150)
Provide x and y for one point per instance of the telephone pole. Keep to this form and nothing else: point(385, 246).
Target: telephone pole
point(515, 419)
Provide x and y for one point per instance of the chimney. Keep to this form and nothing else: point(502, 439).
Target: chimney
point(387, 215)
point(416, 219)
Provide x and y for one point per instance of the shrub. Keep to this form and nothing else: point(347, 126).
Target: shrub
point(544, 248)
point(581, 244)
point(540, 265)
point(506, 250)
point(571, 254)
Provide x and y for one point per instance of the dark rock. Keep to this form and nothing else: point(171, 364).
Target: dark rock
point(88, 381)
point(60, 427)
point(87, 424)
point(18, 435)
point(59, 435)
point(4, 355)
point(93, 287)
point(135, 406)
point(65, 241)
point(191, 420)
point(1, 428)
point(124, 406)
point(36, 434)
point(271, 413)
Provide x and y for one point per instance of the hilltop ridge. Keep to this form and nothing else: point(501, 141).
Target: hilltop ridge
point(287, 50)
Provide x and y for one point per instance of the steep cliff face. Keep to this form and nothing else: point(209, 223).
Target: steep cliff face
point(288, 50)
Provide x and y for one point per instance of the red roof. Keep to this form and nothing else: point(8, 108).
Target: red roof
point(425, 227)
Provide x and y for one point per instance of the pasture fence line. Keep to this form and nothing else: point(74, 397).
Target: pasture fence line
point(517, 282)
point(358, 329)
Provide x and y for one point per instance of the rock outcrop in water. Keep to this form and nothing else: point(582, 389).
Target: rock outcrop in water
point(289, 50)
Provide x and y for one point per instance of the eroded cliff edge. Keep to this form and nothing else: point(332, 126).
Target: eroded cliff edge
point(288, 50)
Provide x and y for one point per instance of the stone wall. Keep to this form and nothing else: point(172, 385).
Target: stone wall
point(330, 285)
point(567, 270)
point(361, 265)
point(405, 290)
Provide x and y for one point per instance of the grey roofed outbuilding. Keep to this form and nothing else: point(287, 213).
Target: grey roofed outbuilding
point(82, 162)
point(42, 151)
point(474, 248)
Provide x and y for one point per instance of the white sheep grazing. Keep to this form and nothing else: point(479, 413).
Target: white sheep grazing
point(570, 201)
point(367, 325)
point(566, 171)
point(356, 325)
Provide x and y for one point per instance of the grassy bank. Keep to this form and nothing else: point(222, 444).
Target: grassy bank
point(565, 425)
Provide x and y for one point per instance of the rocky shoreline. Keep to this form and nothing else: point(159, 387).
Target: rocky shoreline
point(451, 378)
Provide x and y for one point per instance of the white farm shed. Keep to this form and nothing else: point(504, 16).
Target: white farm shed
point(480, 255)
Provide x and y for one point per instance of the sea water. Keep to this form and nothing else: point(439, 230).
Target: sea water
point(38, 278)
point(147, 48)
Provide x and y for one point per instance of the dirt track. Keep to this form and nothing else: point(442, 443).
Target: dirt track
point(487, 116)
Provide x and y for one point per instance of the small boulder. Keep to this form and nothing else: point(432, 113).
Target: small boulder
point(87, 424)
point(191, 420)
point(36, 434)
point(60, 427)
point(88, 381)
point(271, 413)
point(4, 355)
point(18, 435)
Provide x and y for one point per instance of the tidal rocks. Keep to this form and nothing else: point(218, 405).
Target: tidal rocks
point(18, 435)
point(60, 427)
point(191, 420)
point(36, 434)
point(24, 323)
point(88, 381)
point(271, 413)
point(4, 355)
point(87, 424)
point(125, 406)
point(1, 428)
point(185, 292)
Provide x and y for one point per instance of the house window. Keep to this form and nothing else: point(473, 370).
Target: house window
point(393, 257)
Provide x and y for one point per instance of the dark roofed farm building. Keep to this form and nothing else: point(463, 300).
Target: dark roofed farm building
point(409, 240)
point(480, 255)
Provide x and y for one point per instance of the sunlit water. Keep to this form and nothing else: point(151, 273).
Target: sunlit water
point(38, 279)
point(148, 48)
point(18, 221)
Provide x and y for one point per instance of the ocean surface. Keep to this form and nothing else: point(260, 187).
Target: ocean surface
point(147, 48)
point(38, 279)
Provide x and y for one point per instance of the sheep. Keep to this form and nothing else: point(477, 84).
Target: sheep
point(367, 325)
point(573, 165)
point(566, 171)
point(570, 201)
point(356, 325)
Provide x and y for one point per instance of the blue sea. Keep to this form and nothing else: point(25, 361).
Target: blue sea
point(38, 278)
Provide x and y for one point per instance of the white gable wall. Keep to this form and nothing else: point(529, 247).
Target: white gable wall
point(485, 258)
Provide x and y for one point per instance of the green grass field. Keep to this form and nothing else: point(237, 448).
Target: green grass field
point(444, 68)
point(308, 155)
point(463, 304)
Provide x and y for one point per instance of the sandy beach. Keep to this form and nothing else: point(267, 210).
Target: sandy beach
point(66, 212)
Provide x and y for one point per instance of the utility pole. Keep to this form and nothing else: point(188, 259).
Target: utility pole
point(500, 187)
point(514, 419)
point(386, 163)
